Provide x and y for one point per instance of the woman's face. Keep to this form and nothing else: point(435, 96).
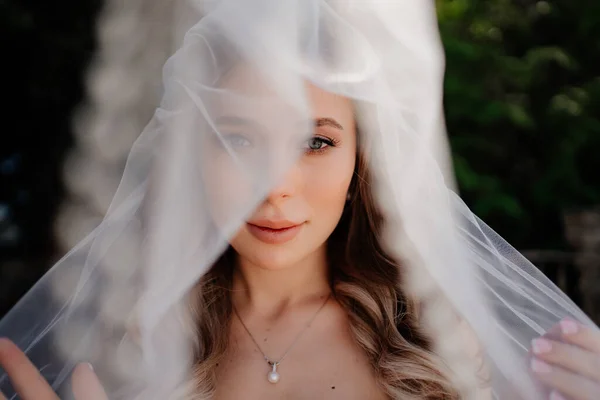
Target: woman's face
point(303, 208)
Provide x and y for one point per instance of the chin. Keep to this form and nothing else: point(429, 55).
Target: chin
point(272, 258)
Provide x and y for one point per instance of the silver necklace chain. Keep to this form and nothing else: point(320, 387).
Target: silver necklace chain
point(273, 376)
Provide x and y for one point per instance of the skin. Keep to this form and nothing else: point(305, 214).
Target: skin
point(568, 361)
point(278, 287)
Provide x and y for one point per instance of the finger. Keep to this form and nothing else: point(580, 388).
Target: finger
point(25, 377)
point(580, 335)
point(2, 397)
point(571, 385)
point(570, 357)
point(86, 385)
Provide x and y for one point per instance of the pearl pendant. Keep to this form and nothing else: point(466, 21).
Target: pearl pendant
point(273, 376)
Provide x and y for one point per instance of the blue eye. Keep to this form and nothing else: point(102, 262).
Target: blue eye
point(316, 144)
point(236, 140)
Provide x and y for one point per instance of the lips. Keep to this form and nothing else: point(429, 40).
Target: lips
point(274, 232)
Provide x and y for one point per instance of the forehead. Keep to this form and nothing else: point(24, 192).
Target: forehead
point(250, 94)
point(327, 104)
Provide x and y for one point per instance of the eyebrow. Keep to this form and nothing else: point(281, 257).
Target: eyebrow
point(234, 120)
point(317, 122)
point(328, 122)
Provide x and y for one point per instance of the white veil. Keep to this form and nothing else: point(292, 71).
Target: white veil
point(119, 299)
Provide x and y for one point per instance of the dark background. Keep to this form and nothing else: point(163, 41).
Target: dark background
point(522, 105)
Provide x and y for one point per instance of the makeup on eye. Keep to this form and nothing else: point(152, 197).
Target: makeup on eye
point(236, 132)
point(319, 144)
point(323, 137)
point(237, 140)
point(226, 141)
point(313, 144)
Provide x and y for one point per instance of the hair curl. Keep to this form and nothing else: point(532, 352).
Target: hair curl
point(365, 281)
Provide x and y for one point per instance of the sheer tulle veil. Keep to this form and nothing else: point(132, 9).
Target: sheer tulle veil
point(118, 299)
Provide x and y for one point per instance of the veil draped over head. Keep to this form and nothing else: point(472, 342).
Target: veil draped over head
point(120, 298)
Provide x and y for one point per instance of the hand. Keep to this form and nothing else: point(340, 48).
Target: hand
point(571, 367)
point(30, 385)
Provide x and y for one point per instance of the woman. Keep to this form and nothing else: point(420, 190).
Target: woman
point(277, 264)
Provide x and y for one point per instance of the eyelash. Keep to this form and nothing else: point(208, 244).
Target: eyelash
point(329, 142)
point(239, 137)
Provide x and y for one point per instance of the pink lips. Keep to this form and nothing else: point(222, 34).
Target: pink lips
point(274, 232)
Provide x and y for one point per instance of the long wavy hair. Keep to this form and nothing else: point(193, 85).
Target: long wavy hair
point(365, 281)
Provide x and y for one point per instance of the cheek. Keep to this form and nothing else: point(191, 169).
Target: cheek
point(228, 189)
point(321, 197)
point(327, 186)
point(326, 193)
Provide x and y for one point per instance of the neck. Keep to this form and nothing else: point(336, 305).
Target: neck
point(271, 292)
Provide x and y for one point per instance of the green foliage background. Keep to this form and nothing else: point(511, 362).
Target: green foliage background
point(522, 106)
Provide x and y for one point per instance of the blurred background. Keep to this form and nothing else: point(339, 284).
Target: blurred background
point(522, 108)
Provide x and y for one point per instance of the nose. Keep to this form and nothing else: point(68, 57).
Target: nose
point(288, 186)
